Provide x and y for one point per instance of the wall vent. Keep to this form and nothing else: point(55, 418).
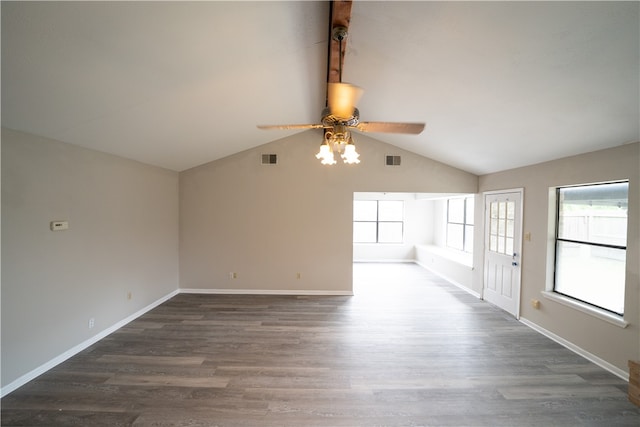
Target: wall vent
point(269, 159)
point(393, 161)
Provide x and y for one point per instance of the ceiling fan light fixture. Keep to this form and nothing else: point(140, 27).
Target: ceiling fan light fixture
point(325, 155)
point(338, 142)
point(350, 155)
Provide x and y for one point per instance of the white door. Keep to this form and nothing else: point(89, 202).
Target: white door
point(503, 237)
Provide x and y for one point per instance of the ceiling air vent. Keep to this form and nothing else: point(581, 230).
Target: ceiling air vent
point(269, 159)
point(393, 161)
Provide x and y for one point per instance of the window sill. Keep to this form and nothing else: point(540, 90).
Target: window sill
point(378, 243)
point(586, 308)
point(463, 258)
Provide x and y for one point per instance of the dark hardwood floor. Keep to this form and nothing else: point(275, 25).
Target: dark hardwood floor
point(408, 349)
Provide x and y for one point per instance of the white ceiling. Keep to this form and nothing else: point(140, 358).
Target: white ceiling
point(178, 84)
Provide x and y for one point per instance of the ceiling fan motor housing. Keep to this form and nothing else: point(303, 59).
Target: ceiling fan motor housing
point(329, 120)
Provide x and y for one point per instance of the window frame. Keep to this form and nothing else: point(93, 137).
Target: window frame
point(569, 299)
point(377, 223)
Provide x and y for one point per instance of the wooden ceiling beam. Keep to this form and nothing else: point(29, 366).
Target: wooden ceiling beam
point(340, 17)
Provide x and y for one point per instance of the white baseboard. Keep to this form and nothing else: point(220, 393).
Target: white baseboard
point(453, 282)
point(578, 350)
point(299, 292)
point(383, 261)
point(19, 382)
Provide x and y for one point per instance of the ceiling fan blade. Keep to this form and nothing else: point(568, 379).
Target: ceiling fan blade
point(268, 127)
point(342, 99)
point(390, 127)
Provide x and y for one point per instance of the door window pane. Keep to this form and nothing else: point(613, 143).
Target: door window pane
point(493, 245)
point(501, 247)
point(510, 225)
point(508, 248)
point(511, 210)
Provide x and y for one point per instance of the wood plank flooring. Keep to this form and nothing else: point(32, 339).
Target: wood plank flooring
point(408, 349)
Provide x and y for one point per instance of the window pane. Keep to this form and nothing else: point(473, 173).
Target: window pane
point(390, 210)
point(468, 238)
point(455, 211)
point(469, 207)
point(591, 274)
point(390, 232)
point(365, 210)
point(459, 221)
point(594, 213)
point(455, 236)
point(364, 232)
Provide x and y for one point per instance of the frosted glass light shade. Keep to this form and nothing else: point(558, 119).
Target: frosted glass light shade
point(350, 156)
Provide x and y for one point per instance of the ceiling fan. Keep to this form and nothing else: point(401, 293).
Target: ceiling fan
point(341, 115)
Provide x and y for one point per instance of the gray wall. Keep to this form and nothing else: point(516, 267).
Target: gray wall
point(123, 237)
point(269, 222)
point(604, 340)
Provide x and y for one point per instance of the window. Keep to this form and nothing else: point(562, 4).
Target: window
point(460, 224)
point(378, 221)
point(591, 244)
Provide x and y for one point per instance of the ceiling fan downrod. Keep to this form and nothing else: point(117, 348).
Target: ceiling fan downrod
point(339, 33)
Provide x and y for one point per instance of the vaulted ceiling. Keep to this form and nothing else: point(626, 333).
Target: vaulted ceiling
point(178, 84)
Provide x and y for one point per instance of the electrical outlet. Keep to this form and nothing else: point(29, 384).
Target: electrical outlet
point(92, 323)
point(233, 275)
point(129, 295)
point(59, 225)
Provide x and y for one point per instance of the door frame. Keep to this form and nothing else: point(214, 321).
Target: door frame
point(518, 231)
